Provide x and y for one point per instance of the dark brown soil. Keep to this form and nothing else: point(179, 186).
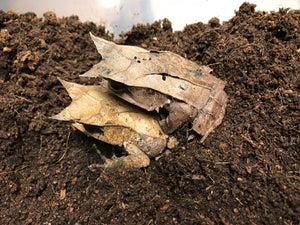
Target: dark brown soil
point(246, 172)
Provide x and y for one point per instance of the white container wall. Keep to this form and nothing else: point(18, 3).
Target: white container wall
point(120, 15)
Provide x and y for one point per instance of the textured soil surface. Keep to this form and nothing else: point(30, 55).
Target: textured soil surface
point(246, 172)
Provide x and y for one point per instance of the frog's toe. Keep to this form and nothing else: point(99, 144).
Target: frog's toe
point(130, 161)
point(136, 159)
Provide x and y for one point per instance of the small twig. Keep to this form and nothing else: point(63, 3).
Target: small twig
point(211, 179)
point(41, 142)
point(213, 64)
point(23, 98)
point(239, 201)
point(221, 163)
point(250, 141)
point(14, 170)
point(63, 155)
point(216, 162)
point(45, 52)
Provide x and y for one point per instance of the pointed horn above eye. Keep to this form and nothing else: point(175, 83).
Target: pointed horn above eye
point(93, 72)
point(70, 87)
point(105, 48)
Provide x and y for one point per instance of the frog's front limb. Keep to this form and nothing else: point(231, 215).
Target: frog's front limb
point(179, 112)
point(136, 158)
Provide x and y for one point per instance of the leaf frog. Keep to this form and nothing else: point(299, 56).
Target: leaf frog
point(178, 89)
point(112, 120)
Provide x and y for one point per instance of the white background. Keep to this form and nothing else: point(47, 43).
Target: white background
point(120, 15)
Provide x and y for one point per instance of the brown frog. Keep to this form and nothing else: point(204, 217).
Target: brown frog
point(114, 121)
point(162, 81)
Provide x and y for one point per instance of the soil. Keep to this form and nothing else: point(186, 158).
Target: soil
point(246, 172)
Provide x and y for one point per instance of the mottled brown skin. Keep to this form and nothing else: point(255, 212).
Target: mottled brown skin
point(111, 120)
point(164, 82)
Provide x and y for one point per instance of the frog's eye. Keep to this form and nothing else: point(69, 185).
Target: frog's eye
point(116, 87)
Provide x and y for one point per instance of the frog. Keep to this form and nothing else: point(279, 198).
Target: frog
point(109, 119)
point(178, 89)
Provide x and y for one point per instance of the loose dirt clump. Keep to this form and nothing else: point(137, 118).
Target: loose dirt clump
point(246, 172)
